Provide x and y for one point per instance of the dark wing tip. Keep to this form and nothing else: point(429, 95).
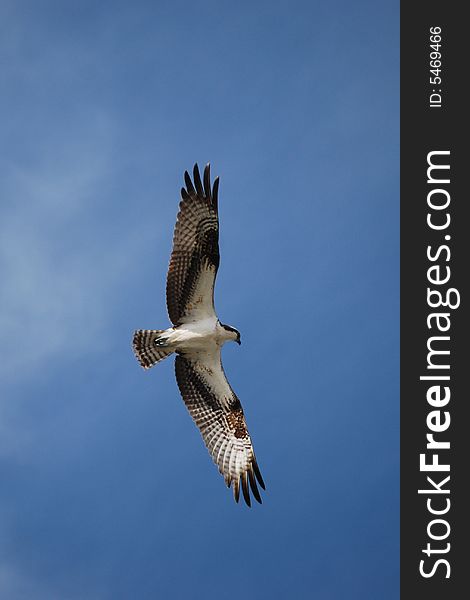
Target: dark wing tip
point(184, 194)
point(215, 193)
point(197, 180)
point(254, 487)
point(246, 493)
point(203, 190)
point(236, 490)
point(207, 180)
point(247, 482)
point(258, 474)
point(189, 183)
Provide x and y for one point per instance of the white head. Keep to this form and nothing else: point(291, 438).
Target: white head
point(233, 334)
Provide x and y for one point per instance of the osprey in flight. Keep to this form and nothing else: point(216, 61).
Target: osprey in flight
point(197, 337)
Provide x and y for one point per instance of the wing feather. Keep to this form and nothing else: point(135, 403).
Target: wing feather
point(195, 256)
point(217, 412)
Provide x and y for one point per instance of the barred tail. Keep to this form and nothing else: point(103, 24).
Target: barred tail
point(147, 352)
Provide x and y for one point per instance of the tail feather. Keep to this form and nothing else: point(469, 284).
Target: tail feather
point(145, 349)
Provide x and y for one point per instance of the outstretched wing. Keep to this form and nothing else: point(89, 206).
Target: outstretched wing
point(217, 412)
point(195, 257)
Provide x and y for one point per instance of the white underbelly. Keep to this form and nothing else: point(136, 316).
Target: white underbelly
point(195, 336)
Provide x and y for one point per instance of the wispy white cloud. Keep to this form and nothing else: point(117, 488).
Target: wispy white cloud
point(15, 586)
point(58, 273)
point(18, 584)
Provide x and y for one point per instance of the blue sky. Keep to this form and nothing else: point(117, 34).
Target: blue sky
point(107, 490)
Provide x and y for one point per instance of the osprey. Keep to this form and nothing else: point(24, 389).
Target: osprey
point(197, 337)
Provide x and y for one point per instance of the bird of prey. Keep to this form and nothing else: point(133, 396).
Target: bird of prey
point(197, 337)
